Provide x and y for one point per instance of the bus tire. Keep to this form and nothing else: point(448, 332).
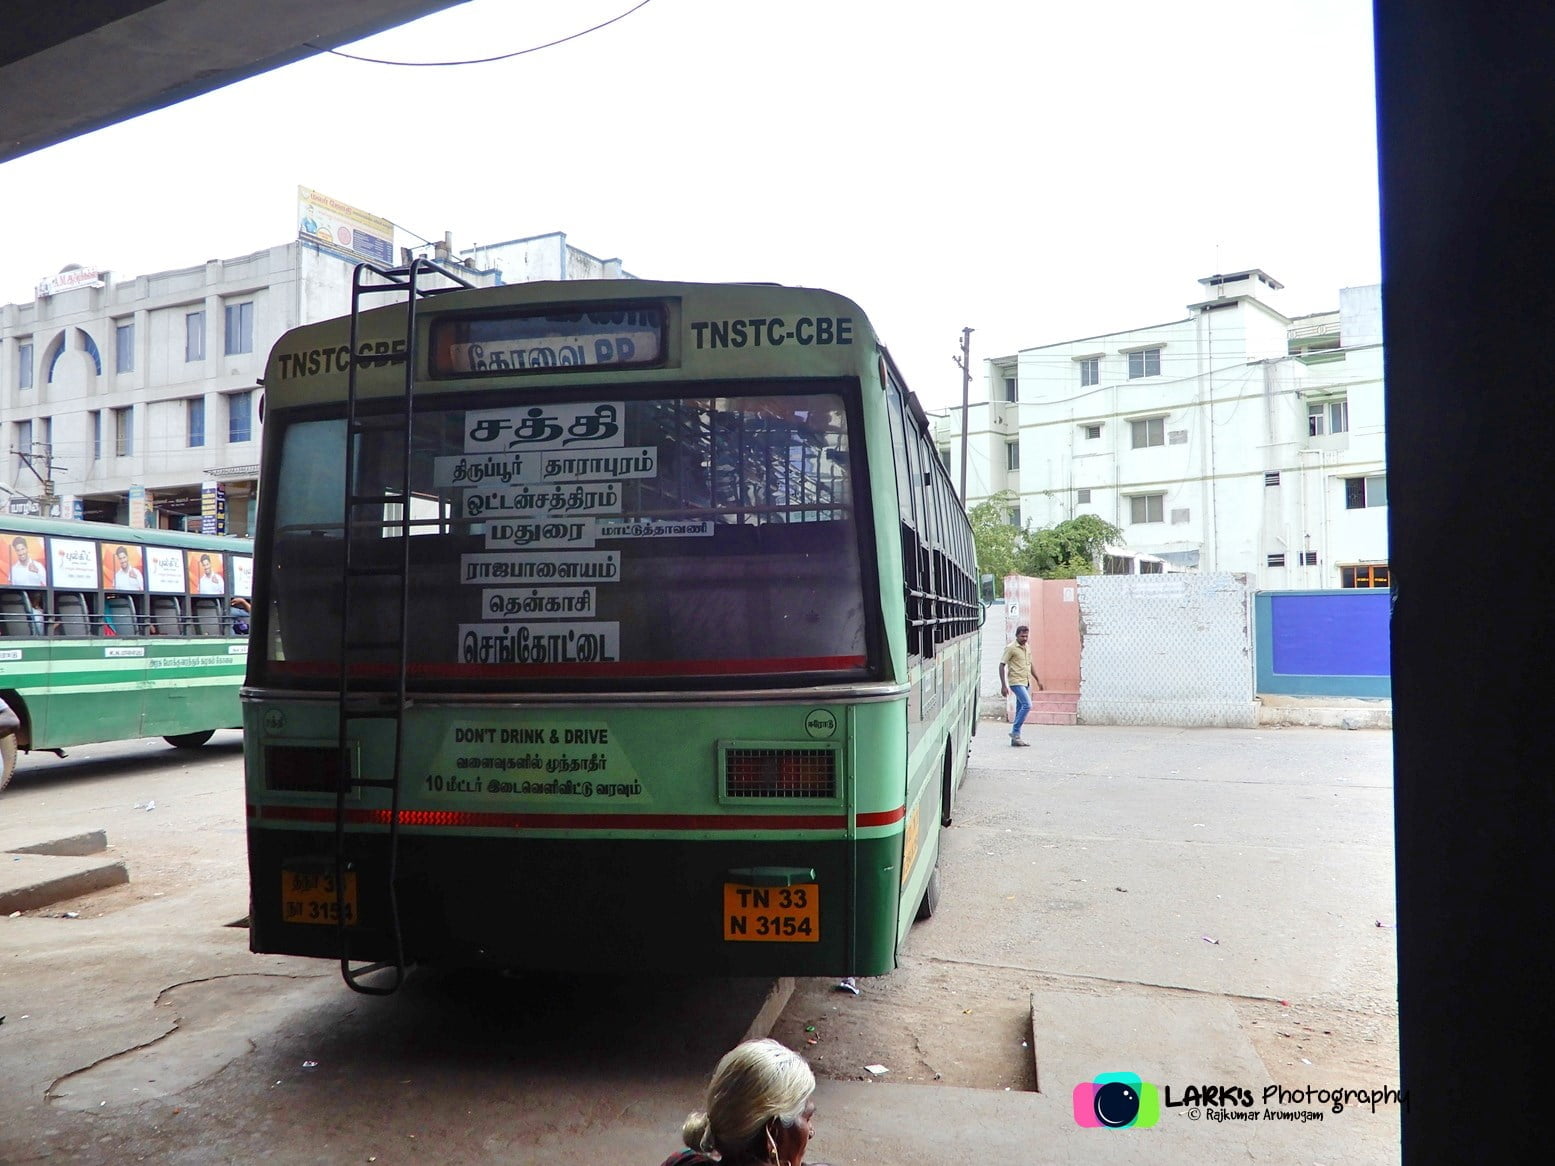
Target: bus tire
point(947, 792)
point(930, 901)
point(7, 758)
point(190, 740)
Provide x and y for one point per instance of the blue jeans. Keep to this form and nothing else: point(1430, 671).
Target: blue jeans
point(1022, 706)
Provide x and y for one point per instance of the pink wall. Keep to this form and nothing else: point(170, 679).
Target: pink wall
point(1051, 607)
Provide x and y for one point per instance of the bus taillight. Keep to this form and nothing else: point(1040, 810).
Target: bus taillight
point(780, 773)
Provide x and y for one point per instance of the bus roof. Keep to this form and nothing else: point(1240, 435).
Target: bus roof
point(113, 532)
point(709, 331)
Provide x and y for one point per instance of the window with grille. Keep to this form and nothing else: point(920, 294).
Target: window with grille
point(240, 328)
point(1367, 575)
point(240, 416)
point(1144, 363)
point(1330, 416)
point(1360, 493)
point(1092, 432)
point(194, 336)
point(1147, 432)
point(1147, 507)
point(124, 347)
point(1276, 560)
point(1082, 495)
point(124, 432)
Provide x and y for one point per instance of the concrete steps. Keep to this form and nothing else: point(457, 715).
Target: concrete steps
point(1053, 708)
point(1047, 708)
point(35, 874)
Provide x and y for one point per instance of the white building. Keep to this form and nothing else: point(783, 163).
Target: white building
point(137, 400)
point(541, 257)
point(1237, 439)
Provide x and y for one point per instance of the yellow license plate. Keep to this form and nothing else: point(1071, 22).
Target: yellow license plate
point(772, 914)
point(308, 897)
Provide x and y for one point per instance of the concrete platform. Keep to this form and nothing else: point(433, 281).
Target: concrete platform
point(35, 872)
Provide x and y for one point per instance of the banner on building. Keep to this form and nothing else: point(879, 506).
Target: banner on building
point(34, 507)
point(69, 280)
point(213, 508)
point(342, 228)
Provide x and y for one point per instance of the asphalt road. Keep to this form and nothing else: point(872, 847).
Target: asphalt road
point(1194, 905)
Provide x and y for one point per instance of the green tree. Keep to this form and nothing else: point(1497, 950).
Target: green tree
point(999, 542)
point(1067, 549)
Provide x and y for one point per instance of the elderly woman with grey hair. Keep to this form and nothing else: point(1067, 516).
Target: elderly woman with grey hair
point(757, 1113)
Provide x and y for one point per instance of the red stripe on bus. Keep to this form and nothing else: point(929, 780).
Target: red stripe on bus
point(883, 817)
point(580, 671)
point(511, 821)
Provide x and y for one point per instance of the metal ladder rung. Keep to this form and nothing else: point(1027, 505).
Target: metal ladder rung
point(354, 976)
point(372, 705)
point(357, 701)
point(361, 712)
point(377, 500)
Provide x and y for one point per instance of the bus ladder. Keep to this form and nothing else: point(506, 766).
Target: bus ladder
point(357, 700)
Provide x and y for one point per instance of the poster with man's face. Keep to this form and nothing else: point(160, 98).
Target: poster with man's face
point(207, 572)
point(24, 560)
point(124, 567)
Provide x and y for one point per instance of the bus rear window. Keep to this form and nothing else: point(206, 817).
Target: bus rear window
point(602, 540)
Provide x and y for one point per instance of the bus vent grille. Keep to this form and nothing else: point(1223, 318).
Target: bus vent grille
point(780, 773)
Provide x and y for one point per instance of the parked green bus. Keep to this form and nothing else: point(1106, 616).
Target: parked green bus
point(605, 626)
point(108, 633)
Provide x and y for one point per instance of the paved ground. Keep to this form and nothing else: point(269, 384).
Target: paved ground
point(1199, 907)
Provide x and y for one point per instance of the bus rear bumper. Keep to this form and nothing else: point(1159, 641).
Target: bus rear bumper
point(588, 905)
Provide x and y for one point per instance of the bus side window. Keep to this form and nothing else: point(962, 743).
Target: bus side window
point(166, 616)
point(15, 614)
point(74, 616)
point(207, 616)
point(119, 614)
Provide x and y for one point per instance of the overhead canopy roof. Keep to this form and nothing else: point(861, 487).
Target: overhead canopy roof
point(68, 68)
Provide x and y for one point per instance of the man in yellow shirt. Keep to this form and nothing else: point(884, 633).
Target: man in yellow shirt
point(1016, 675)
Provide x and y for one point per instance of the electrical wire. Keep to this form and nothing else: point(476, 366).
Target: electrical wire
point(481, 60)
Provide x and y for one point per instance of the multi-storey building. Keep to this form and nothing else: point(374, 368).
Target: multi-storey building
point(138, 400)
point(1237, 439)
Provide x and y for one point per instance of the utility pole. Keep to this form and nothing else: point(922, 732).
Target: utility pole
point(965, 361)
point(31, 459)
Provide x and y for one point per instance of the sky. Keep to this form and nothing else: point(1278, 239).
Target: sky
point(1035, 171)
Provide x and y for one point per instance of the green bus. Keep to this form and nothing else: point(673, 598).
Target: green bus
point(108, 633)
point(601, 626)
